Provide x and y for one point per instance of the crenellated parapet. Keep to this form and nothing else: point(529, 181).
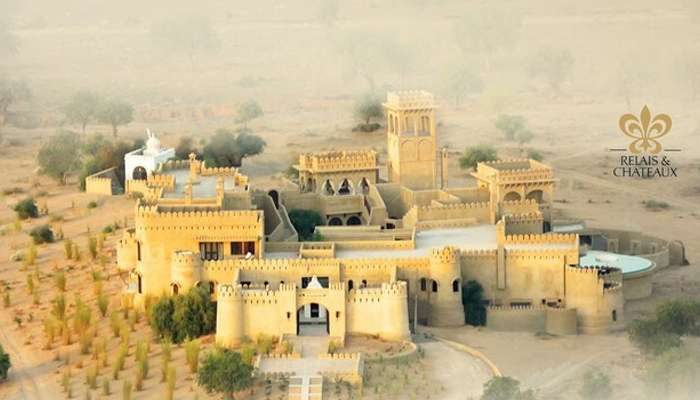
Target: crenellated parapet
point(543, 239)
point(445, 255)
point(186, 269)
point(127, 250)
point(335, 161)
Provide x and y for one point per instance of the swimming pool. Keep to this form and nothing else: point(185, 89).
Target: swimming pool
point(628, 264)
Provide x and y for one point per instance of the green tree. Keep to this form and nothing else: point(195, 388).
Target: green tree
point(82, 108)
point(161, 319)
point(476, 154)
point(680, 317)
point(596, 386)
point(11, 92)
point(650, 338)
point(224, 372)
point(115, 113)
point(511, 125)
point(5, 363)
point(184, 147)
point(58, 157)
point(226, 149)
point(247, 112)
point(462, 81)
point(554, 65)
point(26, 209)
point(472, 298)
point(305, 221)
point(176, 318)
point(505, 388)
point(366, 107)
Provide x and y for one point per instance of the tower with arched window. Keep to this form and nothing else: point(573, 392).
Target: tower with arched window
point(411, 139)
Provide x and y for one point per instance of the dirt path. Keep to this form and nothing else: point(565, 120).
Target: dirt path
point(22, 375)
point(456, 375)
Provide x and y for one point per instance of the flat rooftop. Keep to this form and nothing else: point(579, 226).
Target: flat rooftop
point(204, 187)
point(479, 237)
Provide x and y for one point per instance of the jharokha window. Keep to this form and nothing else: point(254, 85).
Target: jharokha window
point(211, 250)
point(242, 248)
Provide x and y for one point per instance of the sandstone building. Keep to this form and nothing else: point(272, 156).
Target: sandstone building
point(393, 253)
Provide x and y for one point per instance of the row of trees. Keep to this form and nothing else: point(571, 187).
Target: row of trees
point(86, 107)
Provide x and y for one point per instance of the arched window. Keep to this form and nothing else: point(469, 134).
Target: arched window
point(364, 283)
point(351, 285)
point(455, 285)
point(212, 287)
point(139, 283)
point(354, 220)
point(423, 284)
point(176, 289)
point(435, 286)
point(139, 173)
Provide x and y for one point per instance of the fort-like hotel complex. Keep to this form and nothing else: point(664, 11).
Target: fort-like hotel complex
point(393, 252)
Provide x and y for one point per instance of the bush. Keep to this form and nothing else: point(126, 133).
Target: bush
point(476, 154)
point(26, 209)
point(647, 335)
point(596, 386)
point(510, 125)
point(42, 234)
point(192, 355)
point(192, 315)
point(655, 205)
point(5, 363)
point(92, 204)
point(505, 388)
point(224, 372)
point(305, 221)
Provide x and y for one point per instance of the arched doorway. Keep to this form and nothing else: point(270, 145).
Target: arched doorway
point(175, 288)
point(328, 188)
point(512, 196)
point(354, 220)
point(335, 221)
point(139, 173)
point(313, 320)
point(364, 186)
point(536, 195)
point(345, 188)
point(275, 197)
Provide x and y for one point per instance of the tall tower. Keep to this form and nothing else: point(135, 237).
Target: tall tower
point(411, 139)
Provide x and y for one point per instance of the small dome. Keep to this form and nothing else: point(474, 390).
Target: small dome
point(152, 144)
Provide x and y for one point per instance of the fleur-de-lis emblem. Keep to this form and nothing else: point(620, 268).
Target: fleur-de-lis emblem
point(645, 130)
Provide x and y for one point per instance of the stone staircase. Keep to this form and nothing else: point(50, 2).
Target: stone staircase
point(309, 387)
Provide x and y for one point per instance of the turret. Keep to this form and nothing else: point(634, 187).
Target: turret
point(446, 308)
point(229, 316)
point(185, 270)
point(394, 298)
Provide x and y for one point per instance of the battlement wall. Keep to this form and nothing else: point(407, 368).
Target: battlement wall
point(338, 161)
point(546, 239)
point(100, 182)
point(518, 207)
point(462, 213)
point(410, 99)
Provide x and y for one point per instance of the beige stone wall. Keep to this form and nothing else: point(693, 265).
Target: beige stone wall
point(100, 183)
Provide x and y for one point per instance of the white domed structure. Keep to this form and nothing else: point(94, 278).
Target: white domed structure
point(139, 164)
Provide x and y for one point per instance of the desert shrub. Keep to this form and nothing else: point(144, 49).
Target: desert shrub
point(30, 258)
point(247, 354)
point(6, 301)
point(476, 154)
point(82, 317)
point(68, 249)
point(596, 386)
point(472, 298)
point(26, 209)
point(647, 335)
point(662, 332)
point(58, 307)
point(655, 205)
point(92, 246)
point(108, 229)
point(126, 390)
point(192, 355)
point(178, 317)
point(105, 386)
point(505, 388)
point(60, 281)
point(511, 125)
point(170, 385)
point(5, 363)
point(224, 372)
point(50, 327)
point(91, 204)
point(674, 374)
point(305, 221)
point(42, 234)
point(103, 304)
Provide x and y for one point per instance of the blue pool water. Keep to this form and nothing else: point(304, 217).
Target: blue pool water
point(628, 264)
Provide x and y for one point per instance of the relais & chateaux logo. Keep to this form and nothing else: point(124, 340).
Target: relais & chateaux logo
point(645, 156)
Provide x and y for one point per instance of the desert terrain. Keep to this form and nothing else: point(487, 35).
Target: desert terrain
point(305, 63)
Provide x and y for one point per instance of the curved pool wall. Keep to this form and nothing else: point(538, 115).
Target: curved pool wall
point(626, 263)
point(636, 270)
